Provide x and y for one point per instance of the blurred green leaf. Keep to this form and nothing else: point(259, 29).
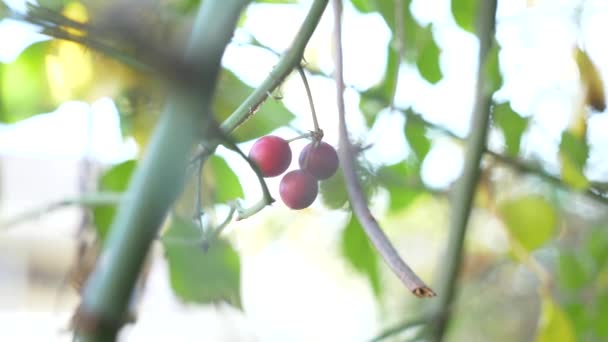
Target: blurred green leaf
point(415, 133)
point(380, 96)
point(592, 80)
point(511, 124)
point(197, 275)
point(601, 313)
point(115, 179)
point(554, 324)
point(573, 153)
point(492, 68)
point(24, 89)
point(357, 249)
point(531, 220)
point(465, 13)
point(573, 272)
point(597, 246)
point(333, 190)
point(55, 5)
point(363, 6)
point(427, 59)
point(580, 317)
point(232, 92)
point(402, 180)
point(222, 180)
point(419, 44)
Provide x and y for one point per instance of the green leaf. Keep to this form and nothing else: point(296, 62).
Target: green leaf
point(380, 96)
point(197, 275)
point(531, 220)
point(601, 312)
point(415, 133)
point(115, 179)
point(512, 125)
point(363, 6)
point(399, 179)
point(357, 249)
point(427, 59)
point(573, 153)
point(24, 89)
point(579, 316)
point(492, 69)
point(419, 44)
point(554, 324)
point(465, 13)
point(232, 92)
point(333, 190)
point(597, 246)
point(573, 272)
point(222, 180)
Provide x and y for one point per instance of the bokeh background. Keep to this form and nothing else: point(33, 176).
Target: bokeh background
point(535, 264)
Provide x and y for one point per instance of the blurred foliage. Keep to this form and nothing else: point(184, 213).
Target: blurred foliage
point(573, 152)
point(531, 220)
point(465, 13)
point(24, 88)
point(115, 179)
point(48, 73)
point(591, 80)
point(512, 126)
point(232, 92)
point(198, 274)
point(357, 249)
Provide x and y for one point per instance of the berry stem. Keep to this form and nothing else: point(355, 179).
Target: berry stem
point(308, 135)
point(315, 122)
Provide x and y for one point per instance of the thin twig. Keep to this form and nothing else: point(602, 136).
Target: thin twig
point(465, 191)
point(357, 199)
point(92, 200)
point(310, 101)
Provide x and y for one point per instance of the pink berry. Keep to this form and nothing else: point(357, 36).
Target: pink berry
point(320, 160)
point(272, 155)
point(298, 189)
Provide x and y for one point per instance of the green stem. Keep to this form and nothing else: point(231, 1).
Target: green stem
point(465, 191)
point(290, 60)
point(158, 179)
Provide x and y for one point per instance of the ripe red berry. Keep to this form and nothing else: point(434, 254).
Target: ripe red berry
point(298, 189)
point(320, 160)
point(272, 155)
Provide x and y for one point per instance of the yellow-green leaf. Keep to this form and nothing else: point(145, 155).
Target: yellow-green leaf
point(591, 80)
point(531, 220)
point(554, 324)
point(465, 13)
point(573, 152)
point(24, 87)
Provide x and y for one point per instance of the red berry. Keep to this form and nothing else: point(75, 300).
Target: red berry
point(272, 155)
point(298, 189)
point(320, 160)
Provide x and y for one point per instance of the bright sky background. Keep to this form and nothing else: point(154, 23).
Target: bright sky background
point(540, 79)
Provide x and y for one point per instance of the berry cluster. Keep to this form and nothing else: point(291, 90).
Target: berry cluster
point(298, 188)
